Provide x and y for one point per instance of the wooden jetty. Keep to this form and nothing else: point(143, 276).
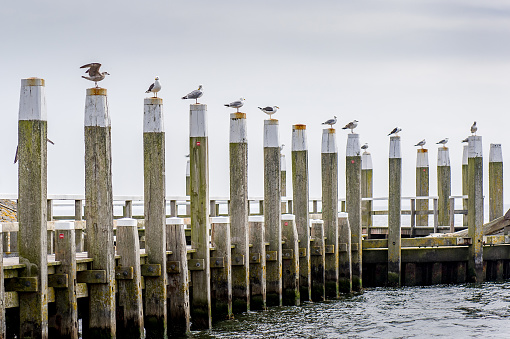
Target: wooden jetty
point(166, 265)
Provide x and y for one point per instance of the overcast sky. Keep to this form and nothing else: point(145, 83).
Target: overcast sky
point(431, 67)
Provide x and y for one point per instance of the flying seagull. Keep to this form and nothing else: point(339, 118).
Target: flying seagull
point(421, 143)
point(474, 128)
point(364, 147)
point(395, 131)
point(465, 140)
point(93, 71)
point(442, 142)
point(269, 110)
point(236, 104)
point(155, 87)
point(330, 122)
point(16, 155)
point(194, 94)
point(352, 125)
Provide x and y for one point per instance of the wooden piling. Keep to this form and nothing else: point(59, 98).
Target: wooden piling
point(290, 264)
point(317, 260)
point(395, 189)
point(99, 212)
point(465, 185)
point(178, 280)
point(3, 324)
point(495, 182)
point(283, 174)
point(367, 191)
point(32, 207)
point(272, 212)
point(221, 274)
point(155, 315)
point(257, 263)
point(130, 322)
point(353, 205)
point(444, 184)
point(345, 253)
point(300, 197)
point(199, 198)
point(329, 165)
point(239, 213)
point(475, 209)
point(422, 187)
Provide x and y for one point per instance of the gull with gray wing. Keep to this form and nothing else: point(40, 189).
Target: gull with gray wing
point(194, 94)
point(330, 122)
point(93, 71)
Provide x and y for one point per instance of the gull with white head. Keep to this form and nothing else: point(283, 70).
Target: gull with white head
point(330, 122)
point(270, 110)
point(93, 71)
point(352, 125)
point(236, 104)
point(421, 143)
point(194, 94)
point(155, 87)
point(474, 128)
point(395, 131)
point(442, 142)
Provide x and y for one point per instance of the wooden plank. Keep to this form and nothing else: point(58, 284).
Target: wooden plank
point(92, 277)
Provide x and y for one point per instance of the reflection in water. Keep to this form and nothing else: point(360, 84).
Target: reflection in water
point(446, 311)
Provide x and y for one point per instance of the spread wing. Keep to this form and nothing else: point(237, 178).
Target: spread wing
point(93, 68)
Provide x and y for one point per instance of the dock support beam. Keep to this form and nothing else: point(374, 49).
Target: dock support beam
point(317, 260)
point(290, 261)
point(395, 189)
point(367, 191)
point(199, 199)
point(329, 165)
point(465, 183)
point(422, 187)
point(495, 182)
point(239, 228)
point(300, 197)
point(257, 262)
point(345, 253)
point(444, 184)
point(32, 206)
point(475, 209)
point(221, 264)
point(283, 178)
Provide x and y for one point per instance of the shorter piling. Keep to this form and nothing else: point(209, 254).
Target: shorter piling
point(221, 263)
point(465, 183)
point(290, 263)
point(257, 263)
point(345, 249)
point(444, 184)
point(367, 191)
point(317, 260)
point(422, 187)
point(495, 182)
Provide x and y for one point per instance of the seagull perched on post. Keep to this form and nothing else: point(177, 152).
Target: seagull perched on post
point(236, 104)
point(155, 87)
point(442, 142)
point(269, 110)
point(465, 140)
point(93, 71)
point(395, 131)
point(352, 125)
point(194, 94)
point(421, 143)
point(474, 128)
point(365, 147)
point(330, 122)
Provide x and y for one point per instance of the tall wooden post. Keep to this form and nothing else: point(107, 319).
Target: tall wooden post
point(465, 183)
point(367, 191)
point(495, 182)
point(475, 208)
point(283, 174)
point(199, 197)
point(395, 189)
point(290, 264)
point(221, 263)
point(239, 229)
point(422, 186)
point(154, 213)
point(353, 205)
point(300, 197)
point(32, 207)
point(272, 212)
point(329, 165)
point(317, 260)
point(99, 212)
point(257, 263)
point(444, 184)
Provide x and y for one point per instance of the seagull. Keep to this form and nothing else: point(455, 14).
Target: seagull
point(395, 131)
point(364, 147)
point(236, 104)
point(442, 142)
point(352, 125)
point(465, 140)
point(16, 155)
point(93, 71)
point(269, 110)
point(474, 128)
point(421, 143)
point(155, 87)
point(281, 147)
point(194, 94)
point(187, 155)
point(330, 122)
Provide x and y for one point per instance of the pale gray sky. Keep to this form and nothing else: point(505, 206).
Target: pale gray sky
point(430, 67)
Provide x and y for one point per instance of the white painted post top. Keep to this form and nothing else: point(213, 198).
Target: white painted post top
point(288, 217)
point(475, 147)
point(127, 222)
point(96, 108)
point(1, 227)
point(395, 147)
point(496, 155)
point(271, 133)
point(220, 220)
point(422, 157)
point(443, 156)
point(316, 221)
point(256, 218)
point(343, 214)
point(283, 163)
point(366, 161)
point(198, 120)
point(187, 168)
point(465, 155)
point(32, 100)
point(329, 141)
point(175, 221)
point(238, 131)
point(353, 149)
point(153, 119)
point(64, 225)
point(299, 142)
